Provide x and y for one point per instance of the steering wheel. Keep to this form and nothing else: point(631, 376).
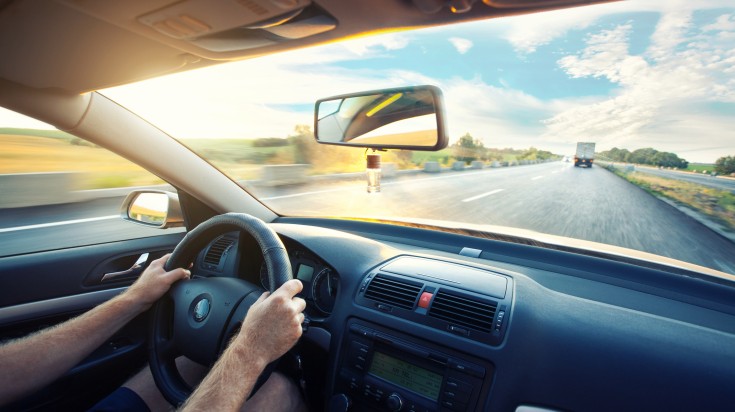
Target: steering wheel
point(197, 318)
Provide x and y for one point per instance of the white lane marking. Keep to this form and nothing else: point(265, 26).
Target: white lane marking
point(316, 192)
point(555, 171)
point(492, 192)
point(341, 189)
point(400, 182)
point(62, 223)
point(537, 177)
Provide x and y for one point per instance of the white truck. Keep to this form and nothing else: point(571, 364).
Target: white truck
point(585, 154)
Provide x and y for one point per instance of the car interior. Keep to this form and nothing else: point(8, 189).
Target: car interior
point(403, 316)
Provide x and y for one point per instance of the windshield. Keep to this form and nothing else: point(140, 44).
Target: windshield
point(602, 123)
point(612, 124)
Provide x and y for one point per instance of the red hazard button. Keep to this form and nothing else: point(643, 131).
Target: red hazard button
point(425, 299)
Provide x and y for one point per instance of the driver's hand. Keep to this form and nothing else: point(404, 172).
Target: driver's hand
point(273, 324)
point(154, 282)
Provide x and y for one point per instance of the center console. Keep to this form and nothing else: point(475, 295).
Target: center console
point(382, 370)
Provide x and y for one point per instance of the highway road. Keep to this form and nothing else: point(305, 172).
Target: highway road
point(553, 198)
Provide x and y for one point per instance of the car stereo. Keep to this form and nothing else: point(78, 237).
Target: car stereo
point(379, 371)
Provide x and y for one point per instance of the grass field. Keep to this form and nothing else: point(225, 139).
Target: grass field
point(32, 151)
point(717, 204)
point(98, 168)
point(699, 167)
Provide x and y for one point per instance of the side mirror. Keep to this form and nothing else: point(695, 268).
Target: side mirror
point(410, 118)
point(152, 208)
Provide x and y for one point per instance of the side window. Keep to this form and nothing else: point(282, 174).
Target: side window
point(59, 191)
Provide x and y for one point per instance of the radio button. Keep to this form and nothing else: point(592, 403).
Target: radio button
point(358, 350)
point(351, 379)
point(454, 405)
point(458, 388)
point(467, 368)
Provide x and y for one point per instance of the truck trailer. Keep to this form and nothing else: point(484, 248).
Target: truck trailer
point(585, 154)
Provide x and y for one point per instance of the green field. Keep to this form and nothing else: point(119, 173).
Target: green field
point(699, 167)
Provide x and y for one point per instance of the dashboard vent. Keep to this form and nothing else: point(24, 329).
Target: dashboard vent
point(469, 312)
point(393, 291)
point(218, 248)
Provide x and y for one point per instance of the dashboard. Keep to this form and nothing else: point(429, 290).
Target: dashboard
point(234, 254)
point(409, 319)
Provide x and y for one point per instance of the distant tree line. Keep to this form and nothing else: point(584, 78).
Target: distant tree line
point(725, 165)
point(468, 148)
point(270, 142)
point(646, 156)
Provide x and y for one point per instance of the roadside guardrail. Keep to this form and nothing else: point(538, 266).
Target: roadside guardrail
point(36, 189)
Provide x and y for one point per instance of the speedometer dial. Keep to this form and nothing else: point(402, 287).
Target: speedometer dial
point(324, 290)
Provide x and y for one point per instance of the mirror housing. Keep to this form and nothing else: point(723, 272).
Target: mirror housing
point(408, 118)
point(152, 208)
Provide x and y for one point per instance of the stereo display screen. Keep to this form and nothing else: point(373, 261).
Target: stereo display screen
point(409, 376)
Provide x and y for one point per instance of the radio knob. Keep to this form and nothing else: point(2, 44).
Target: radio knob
point(394, 402)
point(339, 403)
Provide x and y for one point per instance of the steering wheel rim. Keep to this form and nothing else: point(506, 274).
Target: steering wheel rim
point(231, 298)
point(274, 253)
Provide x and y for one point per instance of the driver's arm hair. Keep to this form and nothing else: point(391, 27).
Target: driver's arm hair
point(271, 327)
point(231, 379)
point(36, 360)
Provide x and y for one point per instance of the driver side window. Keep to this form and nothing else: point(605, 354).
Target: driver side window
point(60, 191)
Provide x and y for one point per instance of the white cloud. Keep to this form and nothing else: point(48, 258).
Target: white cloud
point(606, 55)
point(369, 45)
point(528, 33)
point(726, 22)
point(670, 32)
point(462, 45)
point(669, 84)
point(499, 116)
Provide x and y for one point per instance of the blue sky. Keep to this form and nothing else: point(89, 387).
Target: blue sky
point(628, 74)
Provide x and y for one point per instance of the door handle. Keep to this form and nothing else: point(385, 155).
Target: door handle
point(131, 273)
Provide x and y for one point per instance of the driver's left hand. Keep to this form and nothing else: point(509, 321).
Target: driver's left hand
point(154, 282)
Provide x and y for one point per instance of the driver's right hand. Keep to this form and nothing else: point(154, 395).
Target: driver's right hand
point(273, 324)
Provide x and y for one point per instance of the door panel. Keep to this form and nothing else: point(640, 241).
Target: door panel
point(43, 289)
point(46, 275)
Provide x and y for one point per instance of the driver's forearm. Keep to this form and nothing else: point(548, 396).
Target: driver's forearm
point(230, 381)
point(32, 362)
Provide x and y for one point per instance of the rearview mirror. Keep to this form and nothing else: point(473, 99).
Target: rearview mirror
point(153, 209)
point(410, 118)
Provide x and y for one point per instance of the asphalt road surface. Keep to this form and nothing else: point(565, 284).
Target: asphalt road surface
point(553, 198)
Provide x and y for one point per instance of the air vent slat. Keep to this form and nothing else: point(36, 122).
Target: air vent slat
point(465, 314)
point(218, 248)
point(383, 289)
point(464, 311)
point(395, 292)
point(466, 306)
